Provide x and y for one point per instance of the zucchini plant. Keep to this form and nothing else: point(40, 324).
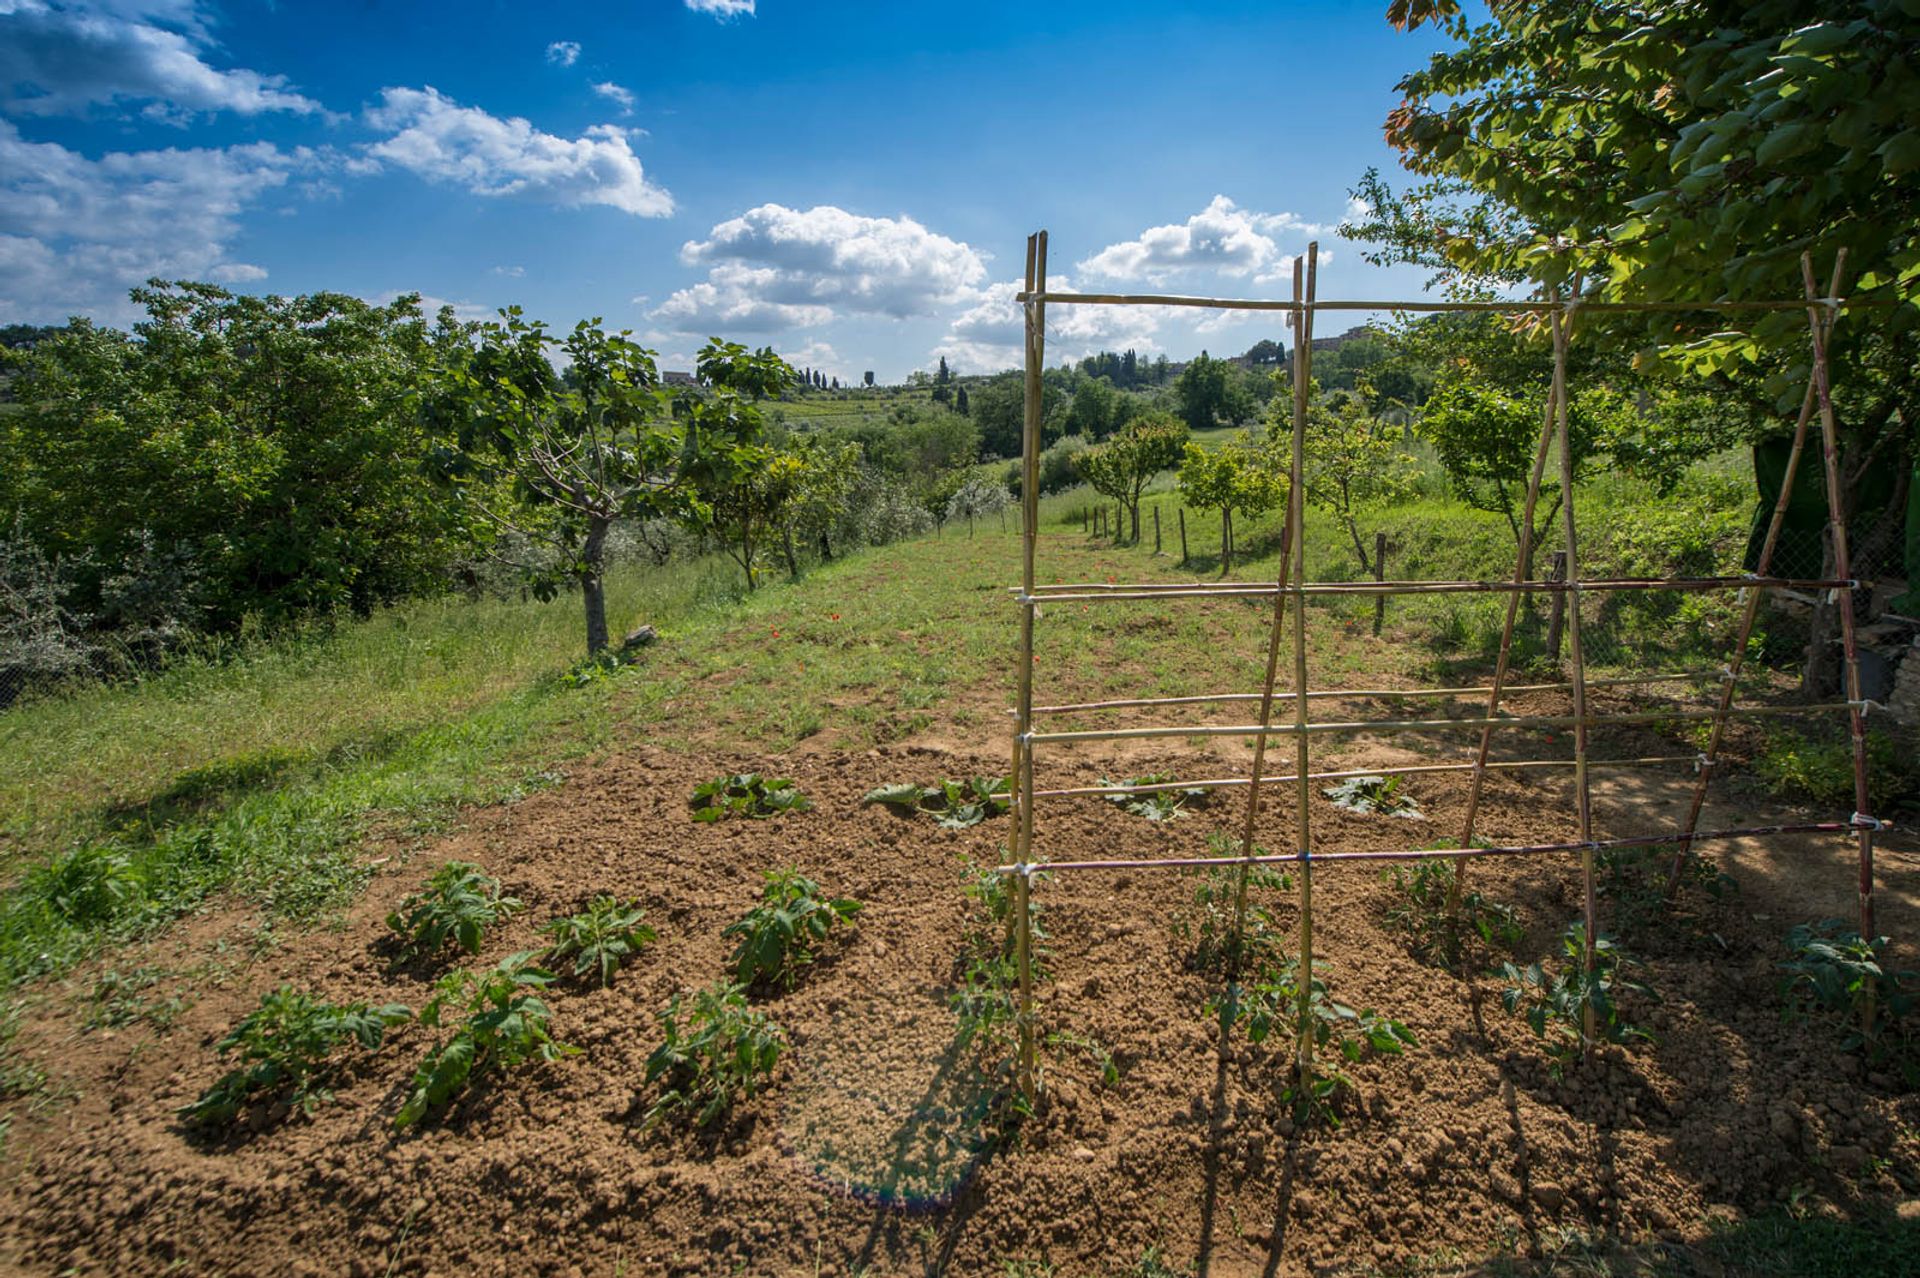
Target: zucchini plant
point(1555, 1000)
point(600, 939)
point(778, 936)
point(715, 1053)
point(286, 1049)
point(746, 794)
point(459, 902)
point(1157, 805)
point(1375, 796)
point(954, 805)
point(504, 1025)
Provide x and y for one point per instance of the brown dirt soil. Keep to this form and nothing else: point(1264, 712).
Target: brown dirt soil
point(868, 1152)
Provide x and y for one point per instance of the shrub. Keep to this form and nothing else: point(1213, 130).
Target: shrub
point(601, 939)
point(505, 1026)
point(286, 1047)
point(720, 1053)
point(460, 901)
point(91, 885)
point(746, 794)
point(778, 936)
point(1796, 767)
point(1555, 1003)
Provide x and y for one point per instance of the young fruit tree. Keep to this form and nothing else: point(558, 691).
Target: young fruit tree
point(548, 441)
point(1234, 477)
point(1352, 461)
point(1122, 467)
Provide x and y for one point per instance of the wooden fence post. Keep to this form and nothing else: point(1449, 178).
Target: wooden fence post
point(1183, 536)
point(1559, 616)
point(1379, 574)
point(1156, 530)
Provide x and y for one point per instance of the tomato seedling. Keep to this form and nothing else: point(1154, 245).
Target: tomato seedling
point(1434, 932)
point(505, 1025)
point(719, 1052)
point(286, 1046)
point(1832, 970)
point(601, 939)
point(1555, 1002)
point(778, 936)
point(459, 902)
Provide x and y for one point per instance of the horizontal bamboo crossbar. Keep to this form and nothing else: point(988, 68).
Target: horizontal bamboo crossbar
point(1421, 854)
point(1428, 725)
point(1221, 783)
point(1350, 694)
point(1514, 307)
point(1258, 590)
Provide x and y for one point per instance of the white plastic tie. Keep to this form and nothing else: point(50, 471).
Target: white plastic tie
point(1861, 821)
point(1701, 763)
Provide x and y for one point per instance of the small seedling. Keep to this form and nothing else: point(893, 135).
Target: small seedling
point(778, 936)
point(1156, 805)
point(459, 902)
point(286, 1047)
point(1435, 932)
point(1210, 924)
point(1376, 796)
point(721, 1052)
point(505, 1026)
point(601, 939)
point(954, 805)
point(1833, 970)
point(1271, 1000)
point(1556, 1003)
point(746, 794)
point(119, 998)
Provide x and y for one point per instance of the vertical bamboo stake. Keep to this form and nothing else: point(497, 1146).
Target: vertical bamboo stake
point(1302, 751)
point(1266, 705)
point(1183, 536)
point(1842, 571)
point(1226, 540)
point(1030, 498)
point(1156, 529)
point(1751, 612)
point(1379, 574)
point(1557, 621)
point(1583, 797)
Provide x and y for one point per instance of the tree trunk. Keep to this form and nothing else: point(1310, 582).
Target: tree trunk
point(793, 560)
point(593, 586)
point(746, 551)
point(1226, 540)
point(1183, 536)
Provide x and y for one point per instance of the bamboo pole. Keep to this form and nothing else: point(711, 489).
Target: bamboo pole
point(1303, 763)
point(1030, 496)
point(1750, 613)
point(1583, 796)
point(1222, 783)
point(1355, 694)
point(1420, 306)
point(1156, 528)
point(1837, 535)
point(1247, 589)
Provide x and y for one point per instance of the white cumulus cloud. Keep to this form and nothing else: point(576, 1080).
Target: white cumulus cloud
point(774, 267)
point(722, 9)
point(61, 58)
point(990, 334)
point(563, 53)
point(77, 233)
point(437, 139)
point(1222, 238)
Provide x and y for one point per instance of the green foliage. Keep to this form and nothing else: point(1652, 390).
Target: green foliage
point(778, 936)
point(1381, 795)
point(599, 940)
point(1272, 1000)
point(1799, 767)
point(1158, 805)
point(1210, 924)
point(746, 794)
point(1833, 971)
point(954, 805)
point(1122, 467)
point(1211, 391)
point(93, 884)
point(1350, 461)
point(458, 902)
point(719, 1053)
point(505, 1026)
point(1556, 1000)
point(286, 1049)
point(1420, 909)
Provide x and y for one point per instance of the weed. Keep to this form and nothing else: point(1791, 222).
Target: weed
point(91, 885)
point(1556, 1003)
point(1434, 932)
point(19, 1077)
point(1797, 767)
point(722, 1052)
point(505, 1025)
point(1157, 805)
point(1634, 881)
point(746, 794)
point(1378, 796)
point(1153, 1263)
point(601, 665)
point(460, 902)
point(778, 936)
point(118, 999)
point(1838, 973)
point(1210, 925)
point(1272, 999)
point(286, 1046)
point(601, 939)
point(954, 805)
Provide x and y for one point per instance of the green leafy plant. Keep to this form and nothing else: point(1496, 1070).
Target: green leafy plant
point(1833, 970)
point(746, 794)
point(119, 998)
point(1209, 925)
point(1157, 805)
point(778, 936)
point(600, 939)
point(90, 885)
point(504, 1026)
point(718, 1052)
point(954, 805)
point(286, 1048)
point(1272, 1000)
point(459, 902)
point(1420, 910)
point(1555, 1002)
point(1376, 796)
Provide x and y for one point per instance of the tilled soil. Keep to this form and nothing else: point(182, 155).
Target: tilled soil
point(871, 1151)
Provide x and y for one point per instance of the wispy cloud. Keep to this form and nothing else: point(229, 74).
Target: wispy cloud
point(563, 53)
point(722, 9)
point(620, 97)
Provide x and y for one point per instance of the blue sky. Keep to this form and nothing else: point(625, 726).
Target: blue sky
point(850, 183)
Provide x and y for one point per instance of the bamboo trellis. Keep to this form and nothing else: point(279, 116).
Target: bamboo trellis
point(1822, 309)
